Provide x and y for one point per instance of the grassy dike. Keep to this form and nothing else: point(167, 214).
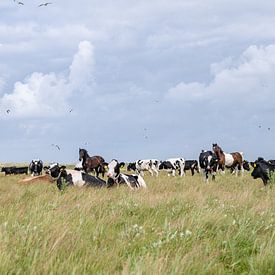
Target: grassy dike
point(176, 226)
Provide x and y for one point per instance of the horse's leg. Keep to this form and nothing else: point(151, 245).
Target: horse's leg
point(223, 169)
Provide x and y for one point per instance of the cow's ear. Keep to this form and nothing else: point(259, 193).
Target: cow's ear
point(105, 164)
point(63, 167)
point(46, 167)
point(122, 164)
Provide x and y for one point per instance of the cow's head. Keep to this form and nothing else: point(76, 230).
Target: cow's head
point(114, 169)
point(36, 167)
point(55, 171)
point(131, 166)
point(246, 165)
point(165, 165)
point(262, 169)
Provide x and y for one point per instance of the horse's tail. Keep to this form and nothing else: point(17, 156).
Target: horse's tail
point(241, 153)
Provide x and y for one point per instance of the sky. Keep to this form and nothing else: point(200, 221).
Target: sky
point(136, 79)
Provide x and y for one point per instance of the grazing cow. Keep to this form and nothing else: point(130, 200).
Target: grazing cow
point(192, 165)
point(73, 177)
point(208, 163)
point(172, 165)
point(14, 170)
point(262, 170)
point(36, 167)
point(116, 177)
point(272, 161)
point(7, 170)
point(228, 160)
point(245, 166)
point(150, 165)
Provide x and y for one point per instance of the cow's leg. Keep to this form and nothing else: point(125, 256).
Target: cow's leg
point(156, 171)
point(206, 176)
point(173, 172)
point(192, 171)
point(151, 172)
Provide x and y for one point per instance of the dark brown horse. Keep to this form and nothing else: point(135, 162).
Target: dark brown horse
point(91, 164)
point(232, 160)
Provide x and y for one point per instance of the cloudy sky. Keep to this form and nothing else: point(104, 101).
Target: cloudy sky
point(132, 79)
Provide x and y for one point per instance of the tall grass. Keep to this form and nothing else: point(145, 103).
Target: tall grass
point(178, 225)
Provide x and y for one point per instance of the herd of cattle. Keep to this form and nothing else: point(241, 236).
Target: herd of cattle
point(210, 163)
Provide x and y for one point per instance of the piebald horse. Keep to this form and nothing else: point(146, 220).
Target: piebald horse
point(232, 160)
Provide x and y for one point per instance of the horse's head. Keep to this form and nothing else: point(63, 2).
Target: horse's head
point(217, 150)
point(82, 154)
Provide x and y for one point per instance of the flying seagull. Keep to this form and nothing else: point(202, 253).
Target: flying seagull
point(56, 146)
point(71, 110)
point(20, 3)
point(45, 4)
point(268, 129)
point(8, 111)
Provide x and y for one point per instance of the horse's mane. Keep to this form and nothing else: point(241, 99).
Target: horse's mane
point(218, 148)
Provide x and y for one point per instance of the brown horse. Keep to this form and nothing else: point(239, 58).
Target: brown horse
point(94, 163)
point(232, 160)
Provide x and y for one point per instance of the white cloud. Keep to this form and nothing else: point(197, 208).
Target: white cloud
point(47, 95)
point(247, 82)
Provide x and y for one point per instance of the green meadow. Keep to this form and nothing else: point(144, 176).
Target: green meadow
point(175, 226)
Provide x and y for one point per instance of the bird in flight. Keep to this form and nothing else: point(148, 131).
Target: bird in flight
point(20, 3)
point(56, 146)
point(71, 110)
point(8, 111)
point(268, 129)
point(44, 4)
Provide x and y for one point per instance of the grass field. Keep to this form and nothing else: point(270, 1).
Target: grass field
point(176, 226)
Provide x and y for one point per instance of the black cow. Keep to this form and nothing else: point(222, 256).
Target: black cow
point(192, 165)
point(20, 170)
point(13, 170)
point(73, 177)
point(208, 163)
point(262, 170)
point(7, 170)
point(36, 167)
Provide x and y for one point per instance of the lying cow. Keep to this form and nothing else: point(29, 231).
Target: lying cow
point(208, 163)
point(14, 170)
point(192, 165)
point(116, 177)
point(150, 165)
point(73, 177)
point(36, 167)
point(172, 165)
point(262, 170)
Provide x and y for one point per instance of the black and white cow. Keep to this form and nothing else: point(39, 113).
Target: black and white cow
point(262, 170)
point(13, 170)
point(172, 165)
point(192, 165)
point(73, 177)
point(36, 167)
point(208, 163)
point(245, 166)
point(114, 175)
point(150, 165)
